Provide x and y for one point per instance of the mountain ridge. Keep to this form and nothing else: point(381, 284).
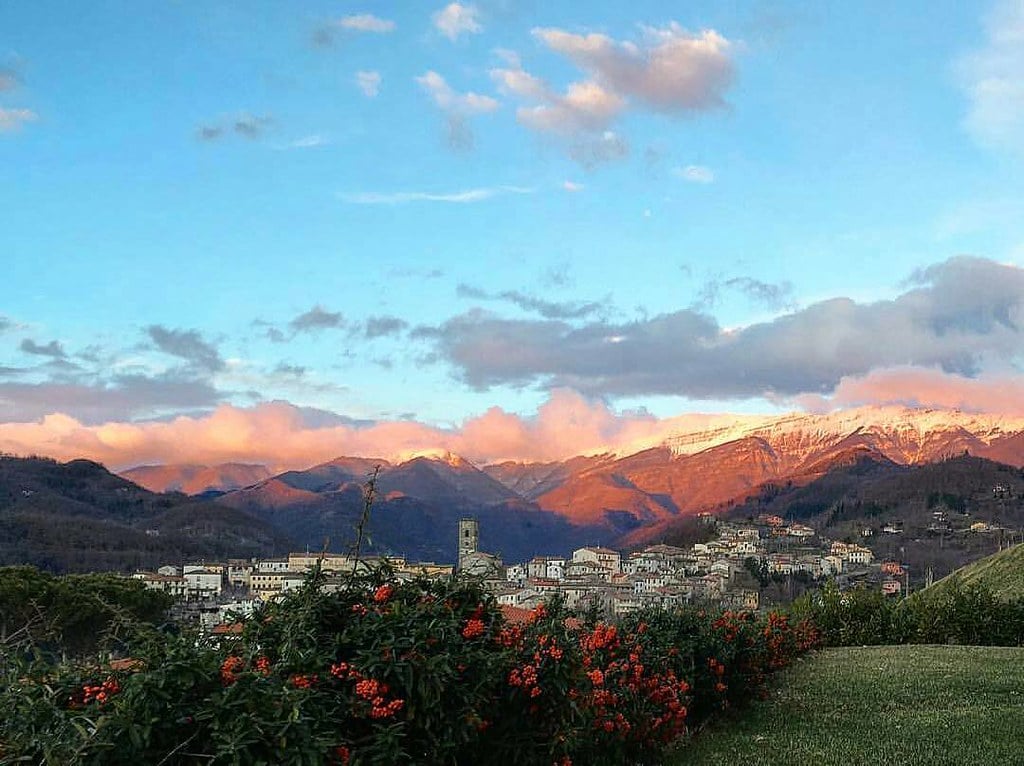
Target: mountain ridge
point(632, 497)
point(77, 516)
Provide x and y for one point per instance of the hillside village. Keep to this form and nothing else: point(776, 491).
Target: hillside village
point(730, 569)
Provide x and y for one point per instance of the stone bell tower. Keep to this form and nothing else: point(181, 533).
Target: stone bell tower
point(469, 538)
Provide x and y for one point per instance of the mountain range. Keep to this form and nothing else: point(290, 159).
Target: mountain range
point(608, 498)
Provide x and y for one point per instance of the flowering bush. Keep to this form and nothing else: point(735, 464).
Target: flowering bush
point(387, 673)
point(960, 614)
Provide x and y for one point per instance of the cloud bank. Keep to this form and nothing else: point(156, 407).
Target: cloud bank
point(957, 316)
point(284, 436)
point(954, 338)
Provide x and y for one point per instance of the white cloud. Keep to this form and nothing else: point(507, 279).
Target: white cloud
point(447, 99)
point(572, 186)
point(459, 197)
point(368, 82)
point(366, 22)
point(698, 174)
point(457, 108)
point(456, 19)
point(308, 142)
point(586, 106)
point(993, 79)
point(11, 119)
point(669, 70)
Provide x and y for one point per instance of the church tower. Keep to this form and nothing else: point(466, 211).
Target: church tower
point(469, 538)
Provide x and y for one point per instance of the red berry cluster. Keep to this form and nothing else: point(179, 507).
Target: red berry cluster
point(230, 669)
point(373, 691)
point(99, 693)
point(302, 681)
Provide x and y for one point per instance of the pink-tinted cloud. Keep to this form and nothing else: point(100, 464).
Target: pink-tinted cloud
point(281, 435)
point(923, 387)
point(284, 436)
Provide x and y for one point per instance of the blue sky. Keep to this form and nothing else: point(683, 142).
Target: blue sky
point(207, 204)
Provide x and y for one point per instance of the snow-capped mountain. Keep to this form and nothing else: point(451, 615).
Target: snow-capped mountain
point(903, 434)
point(710, 464)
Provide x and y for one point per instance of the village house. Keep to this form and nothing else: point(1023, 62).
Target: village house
point(552, 567)
point(589, 571)
point(858, 554)
point(624, 603)
point(780, 563)
point(609, 560)
point(891, 587)
point(171, 584)
point(648, 582)
point(892, 568)
point(831, 565)
point(406, 570)
point(799, 530)
point(741, 599)
point(743, 548)
point(203, 582)
point(273, 565)
point(810, 563)
point(268, 585)
point(329, 562)
point(723, 567)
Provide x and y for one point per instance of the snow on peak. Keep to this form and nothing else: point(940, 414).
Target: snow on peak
point(439, 454)
point(797, 430)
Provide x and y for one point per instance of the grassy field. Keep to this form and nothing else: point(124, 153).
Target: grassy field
point(1002, 573)
point(905, 705)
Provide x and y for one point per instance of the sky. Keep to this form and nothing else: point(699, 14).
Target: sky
point(280, 232)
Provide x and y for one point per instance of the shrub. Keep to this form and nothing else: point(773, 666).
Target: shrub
point(961, 615)
point(386, 673)
point(70, 614)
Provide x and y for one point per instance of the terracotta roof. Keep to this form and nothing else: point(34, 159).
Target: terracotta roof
point(516, 615)
point(126, 664)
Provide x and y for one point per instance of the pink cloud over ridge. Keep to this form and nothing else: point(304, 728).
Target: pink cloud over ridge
point(924, 387)
point(279, 435)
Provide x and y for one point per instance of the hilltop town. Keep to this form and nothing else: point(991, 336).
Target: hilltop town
point(738, 565)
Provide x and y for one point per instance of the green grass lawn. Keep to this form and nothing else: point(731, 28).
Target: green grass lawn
point(897, 706)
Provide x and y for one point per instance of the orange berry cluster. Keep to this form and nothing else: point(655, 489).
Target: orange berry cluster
point(230, 669)
point(96, 693)
point(473, 628)
point(301, 681)
point(373, 691)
